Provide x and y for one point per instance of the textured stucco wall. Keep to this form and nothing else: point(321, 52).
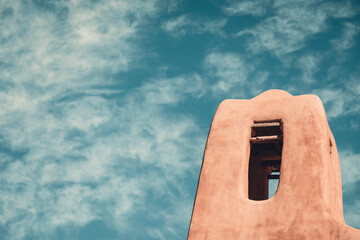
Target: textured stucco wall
point(308, 201)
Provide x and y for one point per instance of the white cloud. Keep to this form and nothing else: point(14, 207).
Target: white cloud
point(255, 8)
point(341, 9)
point(292, 23)
point(173, 5)
point(353, 84)
point(81, 158)
point(173, 91)
point(350, 174)
point(350, 180)
point(309, 65)
point(228, 68)
point(284, 34)
point(351, 214)
point(347, 39)
point(233, 75)
point(75, 153)
point(193, 25)
point(90, 39)
point(341, 101)
point(334, 101)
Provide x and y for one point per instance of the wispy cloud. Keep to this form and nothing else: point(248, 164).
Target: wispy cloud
point(341, 9)
point(292, 23)
point(78, 148)
point(194, 25)
point(94, 158)
point(80, 144)
point(341, 101)
point(350, 182)
point(309, 65)
point(334, 101)
point(347, 39)
point(174, 90)
point(231, 73)
point(229, 69)
point(255, 8)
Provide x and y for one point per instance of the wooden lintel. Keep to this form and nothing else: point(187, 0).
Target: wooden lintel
point(271, 158)
point(275, 168)
point(272, 163)
point(266, 124)
point(273, 176)
point(265, 139)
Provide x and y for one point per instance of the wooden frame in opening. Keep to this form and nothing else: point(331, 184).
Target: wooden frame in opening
point(265, 157)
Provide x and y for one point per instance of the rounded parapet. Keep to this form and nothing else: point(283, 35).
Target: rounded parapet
point(248, 141)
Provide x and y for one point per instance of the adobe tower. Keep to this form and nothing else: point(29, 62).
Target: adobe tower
point(251, 142)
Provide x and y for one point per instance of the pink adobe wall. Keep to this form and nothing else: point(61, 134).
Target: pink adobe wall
point(308, 201)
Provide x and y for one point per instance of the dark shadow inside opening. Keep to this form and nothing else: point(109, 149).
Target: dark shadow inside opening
point(265, 157)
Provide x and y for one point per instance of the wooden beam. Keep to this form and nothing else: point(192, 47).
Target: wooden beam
point(271, 162)
point(273, 176)
point(270, 158)
point(265, 139)
point(275, 168)
point(266, 124)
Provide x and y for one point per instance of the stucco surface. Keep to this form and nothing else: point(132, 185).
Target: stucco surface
point(308, 201)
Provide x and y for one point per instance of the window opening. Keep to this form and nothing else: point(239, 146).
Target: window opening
point(266, 144)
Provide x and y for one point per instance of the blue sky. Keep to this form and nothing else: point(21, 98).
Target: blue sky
point(105, 106)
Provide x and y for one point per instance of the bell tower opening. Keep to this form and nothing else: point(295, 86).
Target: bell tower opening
point(266, 144)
